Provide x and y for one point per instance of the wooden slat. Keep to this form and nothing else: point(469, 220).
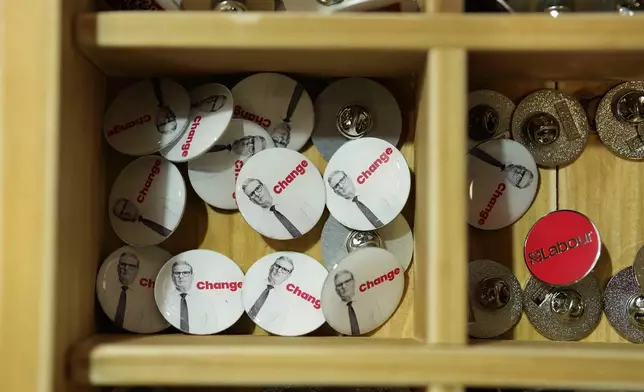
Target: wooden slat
point(506, 245)
point(193, 360)
point(441, 190)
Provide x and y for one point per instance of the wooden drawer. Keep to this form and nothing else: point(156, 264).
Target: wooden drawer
point(66, 63)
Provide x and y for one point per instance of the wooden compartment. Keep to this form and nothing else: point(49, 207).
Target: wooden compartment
point(65, 62)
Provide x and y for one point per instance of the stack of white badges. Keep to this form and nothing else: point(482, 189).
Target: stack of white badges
point(338, 241)
point(211, 111)
point(147, 201)
point(214, 175)
point(277, 103)
point(282, 292)
point(367, 184)
point(363, 291)
point(351, 109)
point(199, 292)
point(125, 288)
point(146, 117)
point(502, 183)
point(280, 194)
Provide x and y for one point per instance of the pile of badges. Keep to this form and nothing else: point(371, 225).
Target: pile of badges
point(562, 300)
point(241, 149)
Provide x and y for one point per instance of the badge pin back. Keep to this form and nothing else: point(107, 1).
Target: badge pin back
point(563, 313)
point(125, 288)
point(282, 293)
point(496, 299)
point(277, 103)
point(211, 109)
point(214, 174)
point(367, 184)
point(363, 291)
point(280, 193)
point(351, 109)
point(338, 241)
point(552, 125)
point(147, 201)
point(489, 116)
point(624, 305)
point(147, 116)
point(199, 292)
point(620, 120)
point(503, 180)
point(562, 248)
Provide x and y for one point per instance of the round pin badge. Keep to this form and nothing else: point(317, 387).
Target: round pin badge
point(353, 108)
point(552, 125)
point(280, 194)
point(125, 288)
point(147, 116)
point(563, 313)
point(338, 241)
point(277, 103)
point(147, 201)
point(363, 291)
point(620, 120)
point(199, 292)
point(624, 306)
point(282, 291)
point(211, 109)
point(489, 116)
point(496, 299)
point(503, 181)
point(367, 184)
point(562, 248)
point(214, 174)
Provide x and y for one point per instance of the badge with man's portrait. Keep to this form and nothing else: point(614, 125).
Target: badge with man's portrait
point(280, 194)
point(147, 201)
point(282, 293)
point(125, 288)
point(214, 174)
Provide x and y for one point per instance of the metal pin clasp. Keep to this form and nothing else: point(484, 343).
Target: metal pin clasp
point(354, 121)
point(493, 293)
point(363, 239)
point(229, 6)
point(567, 305)
point(542, 128)
point(635, 309)
point(482, 123)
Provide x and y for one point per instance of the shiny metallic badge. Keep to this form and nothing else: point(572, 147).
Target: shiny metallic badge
point(229, 6)
point(620, 120)
point(563, 313)
point(338, 241)
point(495, 299)
point(489, 116)
point(552, 125)
point(351, 109)
point(624, 305)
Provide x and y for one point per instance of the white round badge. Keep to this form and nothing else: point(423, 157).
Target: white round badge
point(125, 288)
point(367, 184)
point(503, 181)
point(338, 241)
point(277, 103)
point(280, 194)
point(147, 201)
point(147, 116)
point(199, 292)
point(211, 108)
point(214, 174)
point(282, 291)
point(363, 291)
point(354, 108)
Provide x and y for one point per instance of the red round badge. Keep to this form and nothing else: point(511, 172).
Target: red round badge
point(562, 248)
